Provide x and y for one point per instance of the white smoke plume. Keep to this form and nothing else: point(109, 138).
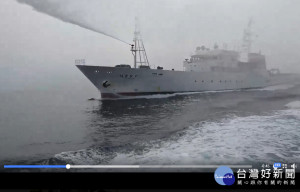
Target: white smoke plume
point(71, 12)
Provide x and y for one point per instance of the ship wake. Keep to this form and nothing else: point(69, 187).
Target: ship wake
point(231, 140)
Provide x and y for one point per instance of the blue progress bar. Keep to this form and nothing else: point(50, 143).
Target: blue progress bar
point(35, 166)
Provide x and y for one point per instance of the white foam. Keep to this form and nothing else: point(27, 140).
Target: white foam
point(277, 87)
point(161, 96)
point(293, 105)
point(85, 156)
point(232, 140)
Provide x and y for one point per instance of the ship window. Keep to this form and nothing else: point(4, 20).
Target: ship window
point(126, 76)
point(212, 81)
point(220, 81)
point(160, 74)
point(121, 75)
point(202, 81)
point(135, 75)
point(130, 76)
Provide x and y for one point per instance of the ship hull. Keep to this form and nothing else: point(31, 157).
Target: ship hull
point(118, 82)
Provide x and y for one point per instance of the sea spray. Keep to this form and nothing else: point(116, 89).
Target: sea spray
point(60, 10)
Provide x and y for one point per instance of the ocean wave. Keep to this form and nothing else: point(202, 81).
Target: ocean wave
point(162, 96)
point(277, 87)
point(232, 140)
point(89, 156)
point(293, 105)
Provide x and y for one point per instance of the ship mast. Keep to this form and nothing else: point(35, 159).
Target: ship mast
point(247, 41)
point(138, 49)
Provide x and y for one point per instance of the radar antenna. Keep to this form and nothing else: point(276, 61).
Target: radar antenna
point(138, 49)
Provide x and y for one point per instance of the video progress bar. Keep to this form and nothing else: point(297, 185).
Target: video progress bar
point(154, 166)
point(122, 166)
point(34, 166)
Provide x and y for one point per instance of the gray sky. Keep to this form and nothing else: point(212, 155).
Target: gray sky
point(37, 50)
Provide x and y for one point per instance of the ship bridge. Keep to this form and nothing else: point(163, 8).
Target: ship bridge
point(205, 59)
point(222, 60)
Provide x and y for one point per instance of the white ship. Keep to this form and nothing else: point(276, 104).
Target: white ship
point(206, 70)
